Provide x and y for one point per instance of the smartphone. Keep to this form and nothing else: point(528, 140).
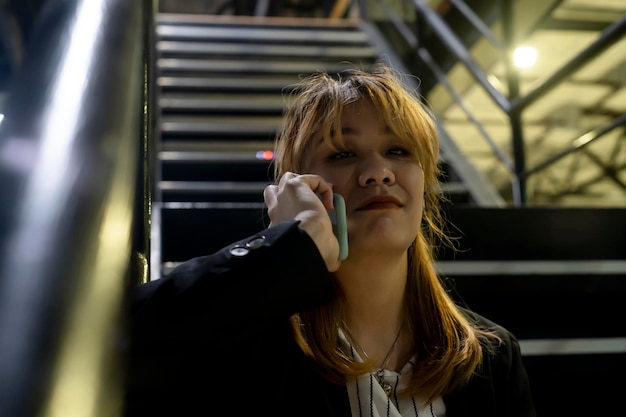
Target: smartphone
point(340, 228)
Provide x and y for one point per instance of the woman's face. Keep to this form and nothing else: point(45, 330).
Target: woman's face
point(379, 177)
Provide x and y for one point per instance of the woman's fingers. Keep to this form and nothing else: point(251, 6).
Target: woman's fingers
point(315, 183)
point(305, 198)
point(296, 193)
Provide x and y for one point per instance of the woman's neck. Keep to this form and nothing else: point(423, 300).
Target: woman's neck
point(374, 308)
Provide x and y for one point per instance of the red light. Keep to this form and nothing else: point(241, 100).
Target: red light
point(265, 155)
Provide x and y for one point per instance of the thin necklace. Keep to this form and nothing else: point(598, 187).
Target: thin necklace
point(391, 349)
point(379, 373)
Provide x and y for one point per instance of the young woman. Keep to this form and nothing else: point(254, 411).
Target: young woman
point(277, 323)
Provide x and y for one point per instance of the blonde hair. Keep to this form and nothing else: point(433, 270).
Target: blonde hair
point(448, 345)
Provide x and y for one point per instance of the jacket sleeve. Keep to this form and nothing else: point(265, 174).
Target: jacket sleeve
point(265, 277)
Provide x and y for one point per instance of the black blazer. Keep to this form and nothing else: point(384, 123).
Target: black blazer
point(212, 338)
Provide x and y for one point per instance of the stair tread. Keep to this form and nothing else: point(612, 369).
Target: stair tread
point(256, 21)
point(189, 124)
point(222, 120)
point(215, 145)
point(268, 34)
point(195, 100)
point(208, 186)
point(231, 66)
point(254, 50)
point(230, 83)
point(208, 156)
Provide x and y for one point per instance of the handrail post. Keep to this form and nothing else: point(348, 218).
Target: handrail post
point(147, 151)
point(515, 113)
point(68, 167)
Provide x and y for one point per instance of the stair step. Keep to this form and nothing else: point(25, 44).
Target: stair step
point(254, 51)
point(171, 149)
point(256, 22)
point(212, 191)
point(265, 34)
point(225, 187)
point(211, 126)
point(260, 84)
point(213, 103)
point(244, 67)
point(231, 156)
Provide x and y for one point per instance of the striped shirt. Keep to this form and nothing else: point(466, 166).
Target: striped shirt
point(368, 396)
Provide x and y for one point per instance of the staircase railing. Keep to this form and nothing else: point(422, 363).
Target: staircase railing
point(72, 144)
point(513, 104)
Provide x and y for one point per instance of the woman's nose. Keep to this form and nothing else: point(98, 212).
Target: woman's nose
point(376, 170)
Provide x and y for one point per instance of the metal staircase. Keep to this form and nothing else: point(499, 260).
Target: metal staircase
point(555, 276)
point(223, 82)
point(551, 275)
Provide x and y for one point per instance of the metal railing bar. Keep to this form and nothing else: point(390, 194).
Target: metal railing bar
point(400, 26)
point(578, 144)
point(579, 187)
point(515, 114)
point(386, 52)
point(483, 194)
point(608, 172)
point(441, 77)
point(68, 160)
point(477, 22)
point(146, 181)
point(461, 53)
point(617, 149)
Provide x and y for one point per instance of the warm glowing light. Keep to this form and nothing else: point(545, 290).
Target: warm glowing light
point(524, 56)
point(265, 155)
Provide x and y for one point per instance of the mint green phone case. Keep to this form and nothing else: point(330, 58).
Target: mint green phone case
point(340, 228)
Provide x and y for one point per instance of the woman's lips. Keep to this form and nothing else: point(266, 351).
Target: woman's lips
point(379, 206)
point(380, 202)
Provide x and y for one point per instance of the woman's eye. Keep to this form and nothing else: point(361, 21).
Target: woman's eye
point(340, 155)
point(398, 151)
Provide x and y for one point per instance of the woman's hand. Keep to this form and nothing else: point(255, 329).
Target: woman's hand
point(298, 197)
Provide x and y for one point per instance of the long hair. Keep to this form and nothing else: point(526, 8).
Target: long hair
point(448, 345)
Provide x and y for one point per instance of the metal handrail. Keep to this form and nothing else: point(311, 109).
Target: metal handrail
point(460, 52)
point(579, 143)
point(515, 103)
point(443, 79)
point(69, 150)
